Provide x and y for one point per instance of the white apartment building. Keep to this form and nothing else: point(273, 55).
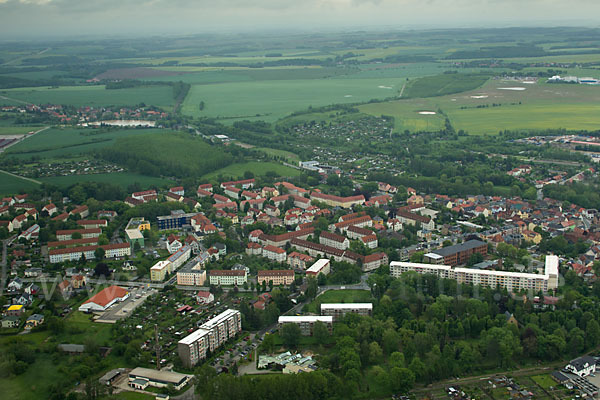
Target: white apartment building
point(305, 322)
point(339, 310)
point(212, 334)
point(74, 253)
point(512, 281)
point(321, 266)
point(274, 253)
point(227, 277)
point(334, 240)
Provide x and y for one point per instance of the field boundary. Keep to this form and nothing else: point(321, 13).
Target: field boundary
point(21, 177)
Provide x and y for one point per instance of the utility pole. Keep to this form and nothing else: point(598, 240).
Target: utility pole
point(157, 347)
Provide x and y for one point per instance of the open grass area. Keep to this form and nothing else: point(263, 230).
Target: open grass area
point(256, 167)
point(12, 185)
point(339, 296)
point(444, 84)
point(159, 96)
point(544, 381)
point(123, 179)
point(65, 142)
point(34, 383)
point(274, 99)
point(288, 156)
point(17, 130)
point(133, 396)
point(500, 105)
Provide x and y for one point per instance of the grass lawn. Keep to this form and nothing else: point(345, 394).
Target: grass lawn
point(406, 114)
point(33, 384)
point(544, 381)
point(13, 185)
point(256, 167)
point(289, 157)
point(159, 96)
point(123, 179)
point(339, 296)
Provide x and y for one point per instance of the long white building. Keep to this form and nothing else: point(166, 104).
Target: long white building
point(305, 322)
point(212, 334)
point(339, 310)
point(512, 281)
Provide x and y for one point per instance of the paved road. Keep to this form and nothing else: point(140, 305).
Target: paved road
point(4, 265)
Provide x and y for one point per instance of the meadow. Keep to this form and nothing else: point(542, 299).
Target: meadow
point(534, 106)
point(156, 95)
point(274, 99)
point(256, 167)
point(68, 142)
point(10, 184)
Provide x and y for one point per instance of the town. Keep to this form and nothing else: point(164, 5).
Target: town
point(243, 269)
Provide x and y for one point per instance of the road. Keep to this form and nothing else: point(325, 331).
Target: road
point(4, 265)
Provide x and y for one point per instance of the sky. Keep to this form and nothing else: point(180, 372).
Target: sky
point(50, 18)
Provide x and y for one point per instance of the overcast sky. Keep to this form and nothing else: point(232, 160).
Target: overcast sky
point(47, 18)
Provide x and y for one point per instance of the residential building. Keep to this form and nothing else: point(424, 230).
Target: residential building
point(104, 299)
point(145, 196)
point(361, 222)
point(177, 220)
point(227, 277)
point(34, 320)
point(305, 323)
point(277, 276)
point(205, 297)
point(337, 201)
point(512, 281)
point(285, 238)
point(299, 261)
point(73, 243)
point(244, 184)
point(276, 254)
point(321, 266)
point(457, 254)
point(85, 233)
point(30, 233)
point(582, 366)
point(409, 218)
point(334, 240)
point(116, 250)
point(82, 211)
point(160, 270)
point(11, 322)
point(192, 274)
point(339, 310)
point(16, 310)
point(92, 223)
point(211, 335)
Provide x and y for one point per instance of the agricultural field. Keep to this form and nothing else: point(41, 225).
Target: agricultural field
point(123, 179)
point(155, 95)
point(274, 99)
point(518, 107)
point(17, 130)
point(69, 142)
point(10, 184)
point(256, 167)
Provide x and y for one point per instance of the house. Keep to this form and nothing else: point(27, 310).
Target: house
point(78, 281)
point(33, 272)
point(65, 288)
point(274, 253)
point(49, 209)
point(582, 366)
point(299, 261)
point(81, 211)
point(8, 225)
point(15, 285)
point(30, 233)
point(173, 244)
point(32, 289)
point(34, 320)
point(205, 297)
point(179, 190)
point(24, 299)
point(16, 310)
point(11, 322)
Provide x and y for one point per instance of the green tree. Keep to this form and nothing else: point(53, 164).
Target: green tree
point(290, 334)
point(402, 379)
point(320, 332)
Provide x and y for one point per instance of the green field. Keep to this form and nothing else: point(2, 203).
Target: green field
point(12, 185)
point(274, 99)
point(256, 167)
point(17, 130)
point(122, 179)
point(289, 157)
point(538, 106)
point(444, 84)
point(65, 142)
point(159, 96)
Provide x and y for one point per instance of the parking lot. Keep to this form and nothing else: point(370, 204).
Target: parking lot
point(123, 309)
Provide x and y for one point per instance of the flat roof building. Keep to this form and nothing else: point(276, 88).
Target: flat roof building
point(321, 266)
point(512, 281)
point(339, 310)
point(211, 334)
point(305, 322)
point(159, 379)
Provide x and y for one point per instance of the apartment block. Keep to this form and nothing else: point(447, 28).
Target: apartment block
point(279, 277)
point(339, 310)
point(305, 322)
